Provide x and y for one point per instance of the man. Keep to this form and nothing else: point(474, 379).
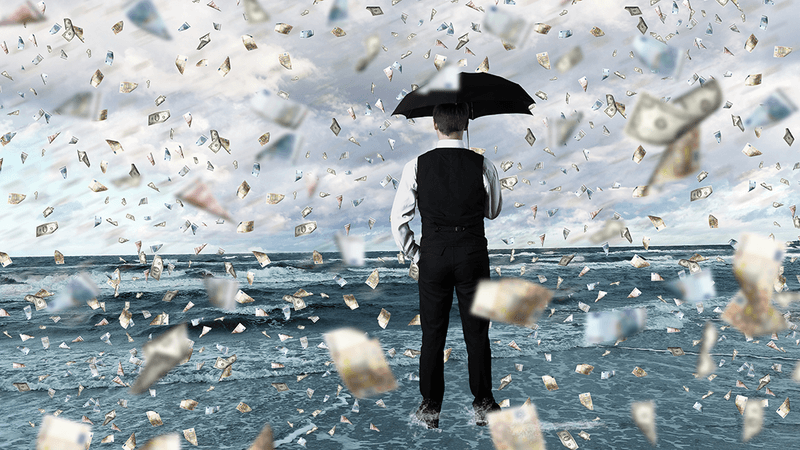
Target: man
point(454, 188)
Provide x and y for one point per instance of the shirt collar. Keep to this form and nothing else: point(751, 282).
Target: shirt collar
point(450, 143)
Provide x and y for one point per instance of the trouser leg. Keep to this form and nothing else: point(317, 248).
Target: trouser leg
point(471, 268)
point(435, 299)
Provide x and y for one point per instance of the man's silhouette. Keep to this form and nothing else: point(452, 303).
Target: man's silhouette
point(454, 189)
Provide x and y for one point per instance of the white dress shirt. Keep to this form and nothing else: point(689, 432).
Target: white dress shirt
point(405, 201)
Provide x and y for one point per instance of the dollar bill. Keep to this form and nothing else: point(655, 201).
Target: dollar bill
point(69, 30)
point(655, 122)
point(46, 228)
point(510, 300)
point(161, 355)
point(567, 440)
point(245, 227)
point(609, 326)
point(335, 127)
point(700, 193)
point(543, 59)
point(530, 138)
point(634, 10)
point(306, 211)
point(508, 182)
point(644, 416)
point(305, 229)
point(641, 26)
point(59, 433)
point(516, 428)
point(156, 267)
point(157, 117)
point(223, 363)
point(360, 362)
point(375, 10)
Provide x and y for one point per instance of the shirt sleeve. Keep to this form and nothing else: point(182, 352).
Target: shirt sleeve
point(491, 183)
point(405, 202)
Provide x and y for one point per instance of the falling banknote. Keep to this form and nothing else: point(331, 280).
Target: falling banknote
point(162, 354)
point(516, 428)
point(756, 266)
point(608, 326)
point(360, 362)
point(62, 434)
point(511, 300)
point(655, 122)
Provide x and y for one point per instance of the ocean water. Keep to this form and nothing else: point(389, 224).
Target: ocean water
point(218, 425)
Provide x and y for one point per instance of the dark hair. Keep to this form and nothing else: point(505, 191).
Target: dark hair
point(451, 117)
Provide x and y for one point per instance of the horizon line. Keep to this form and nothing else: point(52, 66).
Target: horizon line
point(378, 251)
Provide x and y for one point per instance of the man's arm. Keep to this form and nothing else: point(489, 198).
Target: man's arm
point(491, 183)
point(405, 202)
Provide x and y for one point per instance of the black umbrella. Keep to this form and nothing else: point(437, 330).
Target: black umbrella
point(486, 94)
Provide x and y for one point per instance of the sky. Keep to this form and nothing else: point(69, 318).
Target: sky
point(323, 83)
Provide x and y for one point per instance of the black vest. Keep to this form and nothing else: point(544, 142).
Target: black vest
point(451, 198)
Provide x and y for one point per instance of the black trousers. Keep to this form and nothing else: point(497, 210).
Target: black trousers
point(442, 269)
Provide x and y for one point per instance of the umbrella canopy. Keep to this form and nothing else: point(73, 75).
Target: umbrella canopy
point(486, 94)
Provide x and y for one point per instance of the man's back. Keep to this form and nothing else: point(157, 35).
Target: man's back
point(451, 194)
